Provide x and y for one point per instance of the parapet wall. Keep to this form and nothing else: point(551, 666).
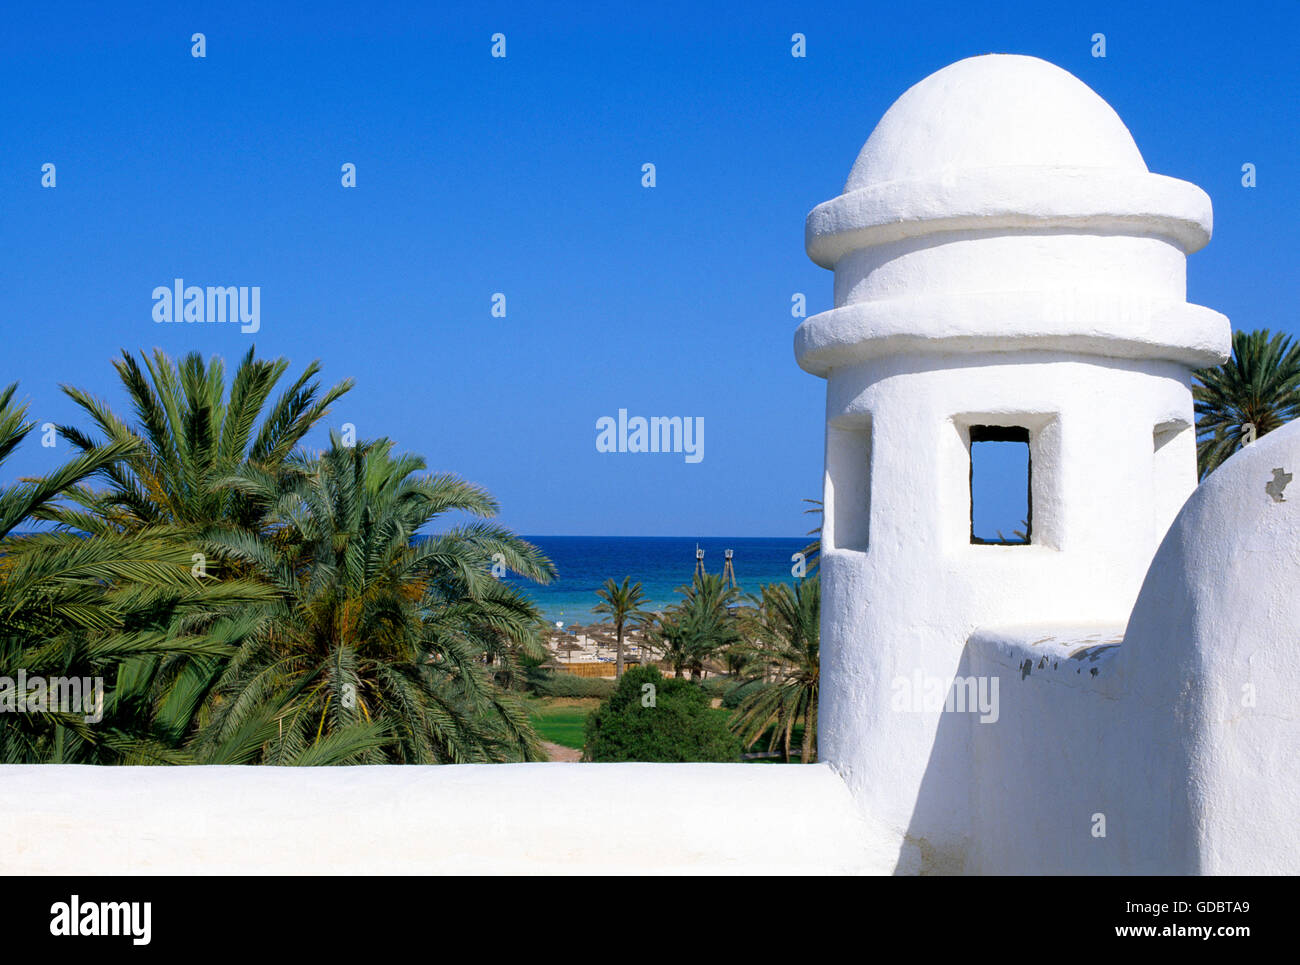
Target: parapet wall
point(1053, 772)
point(451, 819)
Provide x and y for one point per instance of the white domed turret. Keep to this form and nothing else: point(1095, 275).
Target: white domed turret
point(1006, 269)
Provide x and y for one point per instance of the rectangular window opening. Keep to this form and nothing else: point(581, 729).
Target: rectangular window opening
point(1001, 502)
point(847, 507)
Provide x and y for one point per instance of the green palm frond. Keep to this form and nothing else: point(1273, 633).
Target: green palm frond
point(783, 661)
point(193, 434)
point(1257, 388)
point(813, 551)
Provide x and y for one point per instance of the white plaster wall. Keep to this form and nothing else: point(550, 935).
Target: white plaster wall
point(1053, 773)
point(1212, 647)
point(1127, 325)
point(1175, 737)
point(1011, 199)
point(454, 819)
point(909, 601)
point(977, 261)
point(1174, 443)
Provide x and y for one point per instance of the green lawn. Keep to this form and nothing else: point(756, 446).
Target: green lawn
point(560, 719)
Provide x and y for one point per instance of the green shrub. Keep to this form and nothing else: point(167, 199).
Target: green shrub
point(717, 686)
point(546, 683)
point(671, 722)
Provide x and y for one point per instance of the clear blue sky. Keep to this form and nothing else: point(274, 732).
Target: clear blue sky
point(478, 175)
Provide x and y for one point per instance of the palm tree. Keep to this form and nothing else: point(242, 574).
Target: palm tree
point(1259, 386)
point(317, 630)
point(784, 657)
point(623, 603)
point(372, 629)
point(77, 607)
point(700, 626)
point(191, 433)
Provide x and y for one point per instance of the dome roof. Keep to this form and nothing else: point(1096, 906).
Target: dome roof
point(1002, 142)
point(995, 111)
point(1001, 205)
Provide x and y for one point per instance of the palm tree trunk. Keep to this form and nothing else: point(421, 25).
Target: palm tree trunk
point(618, 663)
point(805, 754)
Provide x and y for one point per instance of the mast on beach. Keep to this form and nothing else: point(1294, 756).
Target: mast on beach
point(728, 568)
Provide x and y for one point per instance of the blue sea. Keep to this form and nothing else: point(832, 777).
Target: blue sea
point(660, 563)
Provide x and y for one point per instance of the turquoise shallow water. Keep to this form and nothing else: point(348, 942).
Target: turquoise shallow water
point(660, 563)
